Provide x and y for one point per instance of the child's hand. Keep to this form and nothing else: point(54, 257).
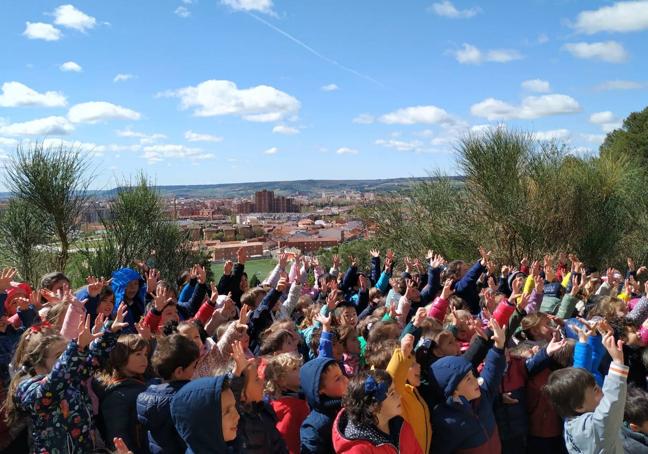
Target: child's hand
point(227, 267)
point(499, 334)
point(160, 300)
point(407, 345)
point(98, 324)
point(94, 286)
point(325, 320)
point(584, 333)
point(6, 276)
point(152, 279)
point(555, 344)
point(576, 285)
point(85, 333)
point(201, 274)
point(121, 447)
point(516, 287)
point(375, 253)
point(614, 348)
point(241, 362)
point(214, 293)
point(283, 282)
point(143, 330)
point(241, 255)
point(447, 289)
point(119, 323)
point(244, 315)
point(419, 317)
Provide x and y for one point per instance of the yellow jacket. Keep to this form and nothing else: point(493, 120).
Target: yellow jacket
point(415, 410)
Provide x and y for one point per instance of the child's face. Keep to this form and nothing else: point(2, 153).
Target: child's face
point(333, 382)
point(290, 380)
point(137, 363)
point(349, 317)
point(391, 406)
point(542, 331)
point(640, 428)
point(106, 305)
point(353, 345)
point(169, 313)
point(254, 385)
point(414, 374)
point(229, 415)
point(191, 333)
point(593, 396)
point(290, 344)
point(131, 290)
point(54, 353)
point(468, 387)
point(447, 346)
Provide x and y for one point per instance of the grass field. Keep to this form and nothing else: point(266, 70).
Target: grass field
point(260, 267)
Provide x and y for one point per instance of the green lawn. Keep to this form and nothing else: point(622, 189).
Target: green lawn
point(260, 267)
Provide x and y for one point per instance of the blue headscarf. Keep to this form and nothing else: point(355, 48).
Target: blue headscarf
point(120, 280)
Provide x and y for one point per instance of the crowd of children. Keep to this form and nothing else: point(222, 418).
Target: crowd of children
point(408, 356)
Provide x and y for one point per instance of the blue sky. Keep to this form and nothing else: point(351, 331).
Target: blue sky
point(216, 91)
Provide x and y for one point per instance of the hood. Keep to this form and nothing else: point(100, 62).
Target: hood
point(153, 404)
point(196, 413)
point(310, 375)
point(448, 372)
point(120, 280)
point(15, 289)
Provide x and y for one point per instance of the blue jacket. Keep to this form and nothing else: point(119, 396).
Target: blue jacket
point(196, 414)
point(467, 289)
point(136, 309)
point(118, 414)
point(461, 424)
point(154, 413)
point(316, 431)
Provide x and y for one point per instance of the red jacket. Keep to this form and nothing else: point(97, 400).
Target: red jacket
point(291, 412)
point(407, 443)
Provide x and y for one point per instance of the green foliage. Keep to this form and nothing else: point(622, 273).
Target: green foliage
point(53, 180)
point(631, 140)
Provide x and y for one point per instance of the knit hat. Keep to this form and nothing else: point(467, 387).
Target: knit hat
point(514, 274)
point(449, 371)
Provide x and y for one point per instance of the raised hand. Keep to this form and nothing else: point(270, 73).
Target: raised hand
point(353, 261)
point(121, 447)
point(201, 274)
point(241, 361)
point(375, 253)
point(244, 314)
point(555, 344)
point(614, 348)
point(336, 261)
point(363, 281)
point(419, 317)
point(485, 256)
point(143, 330)
point(584, 333)
point(407, 345)
point(227, 267)
point(499, 333)
point(85, 333)
point(447, 289)
point(214, 293)
point(6, 276)
point(98, 324)
point(325, 320)
point(516, 289)
point(283, 282)
point(283, 260)
point(390, 254)
point(576, 285)
point(160, 299)
point(241, 255)
point(119, 324)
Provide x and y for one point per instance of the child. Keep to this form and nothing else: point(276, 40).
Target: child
point(204, 414)
point(130, 290)
point(257, 430)
point(593, 417)
point(462, 422)
point(370, 421)
point(282, 386)
point(324, 386)
point(174, 360)
point(48, 388)
point(406, 375)
point(635, 429)
point(127, 366)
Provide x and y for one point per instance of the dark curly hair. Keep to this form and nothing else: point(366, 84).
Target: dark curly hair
point(361, 407)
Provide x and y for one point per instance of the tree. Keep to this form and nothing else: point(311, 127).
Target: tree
point(631, 140)
point(54, 180)
point(22, 229)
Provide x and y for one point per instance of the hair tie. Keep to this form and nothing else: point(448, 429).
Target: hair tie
point(376, 390)
point(38, 328)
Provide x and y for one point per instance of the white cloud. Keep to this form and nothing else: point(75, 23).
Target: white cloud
point(543, 38)
point(160, 152)
point(401, 145)
point(272, 150)
point(262, 6)
point(39, 127)
point(222, 97)
point(123, 77)
point(347, 150)
point(530, 108)
point(182, 11)
point(70, 17)
point(286, 130)
point(96, 111)
point(471, 55)
point(71, 66)
point(606, 120)
point(16, 94)
point(608, 51)
point(594, 138)
point(536, 85)
point(447, 9)
point(619, 17)
point(554, 134)
point(196, 137)
point(417, 114)
point(330, 87)
point(621, 85)
point(143, 137)
point(364, 119)
point(40, 30)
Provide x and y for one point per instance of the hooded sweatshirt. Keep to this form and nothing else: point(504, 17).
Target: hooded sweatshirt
point(196, 413)
point(136, 308)
point(315, 432)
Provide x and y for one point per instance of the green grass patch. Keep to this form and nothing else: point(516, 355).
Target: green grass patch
point(260, 267)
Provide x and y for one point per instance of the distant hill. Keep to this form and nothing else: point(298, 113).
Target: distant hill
point(287, 188)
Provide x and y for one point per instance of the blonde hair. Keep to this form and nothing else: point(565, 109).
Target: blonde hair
point(276, 369)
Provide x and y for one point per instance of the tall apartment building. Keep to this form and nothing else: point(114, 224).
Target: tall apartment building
point(264, 201)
